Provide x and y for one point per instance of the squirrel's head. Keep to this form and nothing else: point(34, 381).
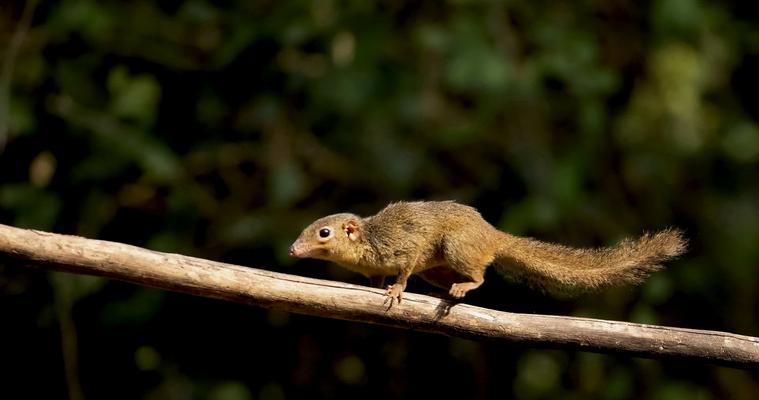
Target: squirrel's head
point(332, 238)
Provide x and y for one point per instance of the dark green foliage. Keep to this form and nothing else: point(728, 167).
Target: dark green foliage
point(221, 129)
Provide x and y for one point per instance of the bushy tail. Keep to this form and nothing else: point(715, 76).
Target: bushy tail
point(564, 270)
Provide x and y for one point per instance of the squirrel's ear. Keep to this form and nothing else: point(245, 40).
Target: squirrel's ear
point(351, 229)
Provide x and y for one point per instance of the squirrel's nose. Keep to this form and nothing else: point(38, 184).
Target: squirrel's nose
point(291, 251)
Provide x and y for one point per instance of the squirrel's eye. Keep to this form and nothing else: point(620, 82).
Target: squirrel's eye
point(323, 233)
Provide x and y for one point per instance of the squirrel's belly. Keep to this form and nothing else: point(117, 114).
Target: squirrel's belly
point(370, 270)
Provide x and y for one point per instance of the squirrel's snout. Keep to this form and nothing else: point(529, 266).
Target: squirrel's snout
point(298, 249)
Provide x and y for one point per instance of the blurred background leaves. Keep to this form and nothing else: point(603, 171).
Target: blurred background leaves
point(220, 129)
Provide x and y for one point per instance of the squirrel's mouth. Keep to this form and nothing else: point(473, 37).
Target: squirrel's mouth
point(294, 251)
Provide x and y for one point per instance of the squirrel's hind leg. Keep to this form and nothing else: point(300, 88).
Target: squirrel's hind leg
point(459, 290)
point(469, 258)
point(447, 278)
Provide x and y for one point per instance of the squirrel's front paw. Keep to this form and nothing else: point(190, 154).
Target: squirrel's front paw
point(394, 293)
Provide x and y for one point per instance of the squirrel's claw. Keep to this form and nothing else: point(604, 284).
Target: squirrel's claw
point(394, 293)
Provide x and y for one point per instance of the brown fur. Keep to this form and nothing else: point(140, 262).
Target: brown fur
point(450, 245)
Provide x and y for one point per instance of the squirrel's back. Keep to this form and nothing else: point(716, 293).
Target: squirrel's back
point(423, 218)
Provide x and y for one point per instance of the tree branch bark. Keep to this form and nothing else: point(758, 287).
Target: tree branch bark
point(363, 304)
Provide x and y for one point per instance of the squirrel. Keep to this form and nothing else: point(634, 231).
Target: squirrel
point(450, 245)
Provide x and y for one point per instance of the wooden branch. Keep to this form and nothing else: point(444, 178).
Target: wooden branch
point(357, 303)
